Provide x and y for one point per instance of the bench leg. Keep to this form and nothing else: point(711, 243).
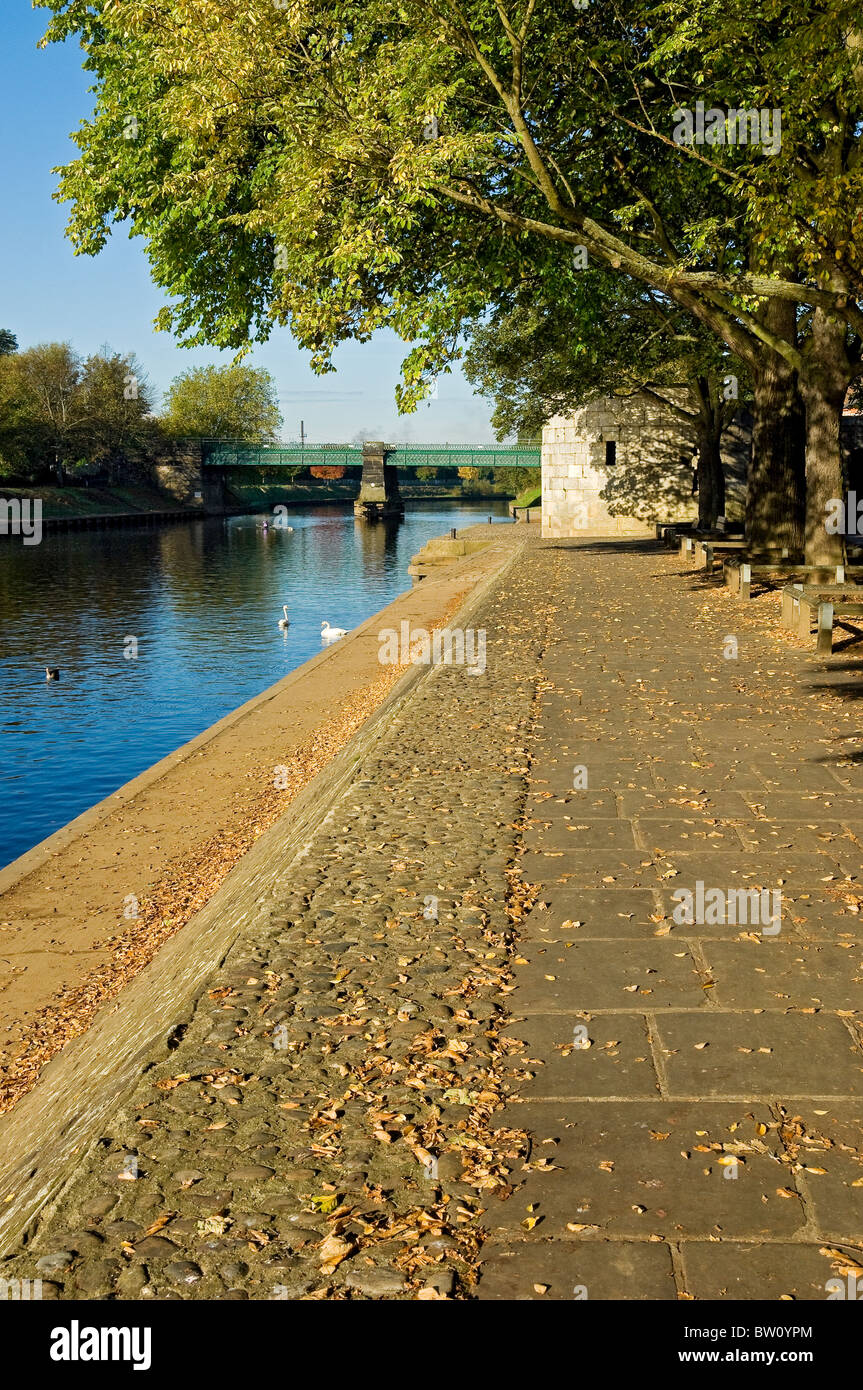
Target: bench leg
point(824, 640)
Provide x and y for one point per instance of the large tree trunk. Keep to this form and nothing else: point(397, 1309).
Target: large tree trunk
point(824, 382)
point(711, 480)
point(776, 486)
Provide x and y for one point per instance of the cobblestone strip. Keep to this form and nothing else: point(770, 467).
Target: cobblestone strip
point(320, 1125)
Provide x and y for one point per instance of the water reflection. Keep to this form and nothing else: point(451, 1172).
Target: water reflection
point(203, 600)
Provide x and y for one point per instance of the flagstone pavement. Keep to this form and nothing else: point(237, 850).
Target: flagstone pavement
point(696, 1086)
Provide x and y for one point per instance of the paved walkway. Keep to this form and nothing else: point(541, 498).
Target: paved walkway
point(684, 1099)
point(697, 1087)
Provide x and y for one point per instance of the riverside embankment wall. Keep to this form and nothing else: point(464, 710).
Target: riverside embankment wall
point(62, 900)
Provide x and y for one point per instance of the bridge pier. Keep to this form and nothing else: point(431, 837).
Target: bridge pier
point(214, 491)
point(379, 494)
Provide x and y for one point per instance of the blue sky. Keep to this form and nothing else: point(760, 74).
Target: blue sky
point(50, 294)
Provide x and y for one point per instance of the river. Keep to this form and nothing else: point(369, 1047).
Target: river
point(202, 602)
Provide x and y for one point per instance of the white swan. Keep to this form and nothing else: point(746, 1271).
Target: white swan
point(332, 634)
point(285, 621)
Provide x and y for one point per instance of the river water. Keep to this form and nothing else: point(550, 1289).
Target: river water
point(202, 599)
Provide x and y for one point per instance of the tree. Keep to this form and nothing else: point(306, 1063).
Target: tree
point(54, 409)
point(332, 471)
point(290, 180)
point(540, 356)
point(802, 203)
point(20, 434)
point(8, 342)
point(236, 402)
point(116, 402)
point(49, 383)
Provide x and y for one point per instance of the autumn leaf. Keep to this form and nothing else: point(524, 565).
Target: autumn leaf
point(159, 1223)
point(332, 1251)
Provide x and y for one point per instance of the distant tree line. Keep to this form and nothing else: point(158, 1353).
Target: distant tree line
point(68, 418)
point(65, 418)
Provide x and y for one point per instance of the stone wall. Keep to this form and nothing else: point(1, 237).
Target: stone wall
point(583, 493)
point(176, 470)
point(379, 488)
point(650, 479)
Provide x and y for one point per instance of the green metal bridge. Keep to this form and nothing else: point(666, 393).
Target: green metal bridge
point(229, 454)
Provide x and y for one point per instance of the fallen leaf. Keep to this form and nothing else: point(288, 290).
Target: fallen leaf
point(159, 1223)
point(332, 1251)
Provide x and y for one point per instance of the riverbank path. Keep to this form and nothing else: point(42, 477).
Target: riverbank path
point(562, 1001)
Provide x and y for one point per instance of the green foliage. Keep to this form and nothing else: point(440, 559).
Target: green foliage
point(8, 342)
point(540, 355)
point(235, 402)
point(117, 404)
point(46, 407)
point(61, 414)
point(274, 159)
point(529, 497)
point(518, 480)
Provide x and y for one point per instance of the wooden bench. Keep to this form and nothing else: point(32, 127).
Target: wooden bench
point(823, 602)
point(706, 552)
point(662, 528)
point(670, 532)
point(739, 576)
point(691, 545)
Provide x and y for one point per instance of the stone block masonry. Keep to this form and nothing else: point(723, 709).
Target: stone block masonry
point(619, 464)
point(694, 1091)
point(379, 489)
point(613, 467)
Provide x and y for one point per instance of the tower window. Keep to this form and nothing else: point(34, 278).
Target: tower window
point(610, 453)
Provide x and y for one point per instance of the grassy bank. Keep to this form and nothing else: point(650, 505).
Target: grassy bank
point(94, 501)
point(69, 502)
point(263, 497)
point(529, 498)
